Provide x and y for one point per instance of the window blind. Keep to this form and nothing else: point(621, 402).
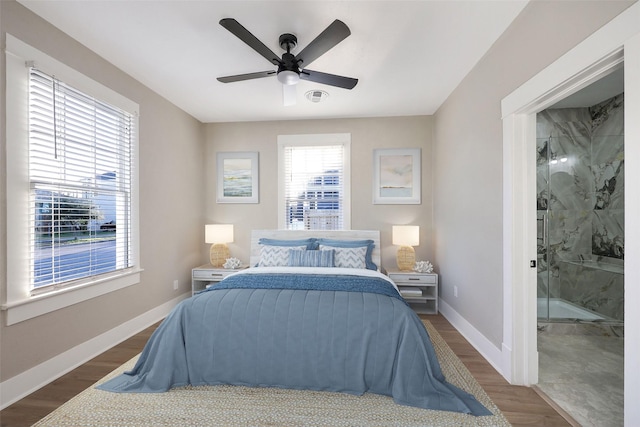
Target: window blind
point(314, 187)
point(80, 185)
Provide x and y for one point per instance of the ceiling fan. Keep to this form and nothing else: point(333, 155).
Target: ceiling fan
point(292, 68)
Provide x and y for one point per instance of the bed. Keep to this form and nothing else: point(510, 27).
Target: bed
point(312, 312)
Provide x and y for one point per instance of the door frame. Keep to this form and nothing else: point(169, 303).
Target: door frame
point(616, 43)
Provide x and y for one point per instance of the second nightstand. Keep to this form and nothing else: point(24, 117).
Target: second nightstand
point(420, 290)
point(205, 275)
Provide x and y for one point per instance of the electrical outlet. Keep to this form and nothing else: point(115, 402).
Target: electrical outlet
point(455, 291)
point(175, 285)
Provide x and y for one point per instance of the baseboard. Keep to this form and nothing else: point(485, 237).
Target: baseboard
point(35, 378)
point(486, 348)
point(506, 363)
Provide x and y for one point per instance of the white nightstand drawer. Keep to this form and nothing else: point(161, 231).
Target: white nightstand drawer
point(207, 275)
point(211, 275)
point(418, 279)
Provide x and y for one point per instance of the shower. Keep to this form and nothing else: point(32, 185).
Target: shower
point(580, 213)
point(580, 247)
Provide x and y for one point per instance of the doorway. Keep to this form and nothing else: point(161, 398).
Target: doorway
point(595, 57)
point(580, 252)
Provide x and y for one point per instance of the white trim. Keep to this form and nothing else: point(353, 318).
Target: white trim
point(70, 76)
point(17, 178)
point(486, 348)
point(518, 248)
point(594, 57)
point(632, 230)
point(18, 301)
point(21, 310)
point(27, 382)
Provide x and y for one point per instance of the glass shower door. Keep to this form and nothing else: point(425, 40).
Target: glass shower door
point(542, 223)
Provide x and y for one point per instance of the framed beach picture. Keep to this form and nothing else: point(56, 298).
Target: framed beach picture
point(396, 176)
point(237, 175)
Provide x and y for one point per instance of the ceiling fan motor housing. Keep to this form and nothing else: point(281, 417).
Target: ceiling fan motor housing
point(288, 42)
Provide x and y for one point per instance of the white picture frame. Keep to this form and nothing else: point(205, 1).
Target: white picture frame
point(396, 176)
point(238, 177)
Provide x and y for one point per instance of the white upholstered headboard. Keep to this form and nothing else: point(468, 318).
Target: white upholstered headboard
point(256, 235)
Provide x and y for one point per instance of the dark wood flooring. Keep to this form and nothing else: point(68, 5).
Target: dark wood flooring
point(521, 405)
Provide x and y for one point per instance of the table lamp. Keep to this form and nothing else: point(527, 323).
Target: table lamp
point(406, 236)
point(218, 235)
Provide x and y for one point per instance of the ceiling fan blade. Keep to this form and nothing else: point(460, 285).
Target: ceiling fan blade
point(329, 79)
point(331, 36)
point(249, 76)
point(243, 34)
point(289, 95)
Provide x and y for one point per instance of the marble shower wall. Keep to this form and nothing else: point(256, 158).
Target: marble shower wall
point(580, 198)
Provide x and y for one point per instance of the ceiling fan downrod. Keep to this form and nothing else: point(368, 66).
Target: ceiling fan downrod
point(288, 70)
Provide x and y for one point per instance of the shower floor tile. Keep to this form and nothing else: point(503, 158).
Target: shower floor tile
point(584, 374)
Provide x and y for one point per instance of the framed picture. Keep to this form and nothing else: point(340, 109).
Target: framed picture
point(396, 176)
point(237, 175)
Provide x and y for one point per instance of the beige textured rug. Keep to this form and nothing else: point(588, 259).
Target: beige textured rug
point(245, 406)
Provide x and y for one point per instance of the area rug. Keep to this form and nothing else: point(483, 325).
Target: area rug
point(246, 406)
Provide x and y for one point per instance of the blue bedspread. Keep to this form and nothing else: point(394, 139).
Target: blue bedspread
point(283, 333)
point(325, 282)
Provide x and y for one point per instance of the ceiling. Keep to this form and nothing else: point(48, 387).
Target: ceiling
point(606, 87)
point(408, 55)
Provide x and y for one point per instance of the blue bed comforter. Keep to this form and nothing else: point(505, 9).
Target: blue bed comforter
point(348, 334)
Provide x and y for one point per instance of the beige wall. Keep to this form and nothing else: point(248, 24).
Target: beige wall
point(171, 206)
point(468, 153)
point(366, 135)
point(461, 230)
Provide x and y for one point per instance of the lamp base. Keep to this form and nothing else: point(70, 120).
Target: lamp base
point(406, 258)
point(218, 254)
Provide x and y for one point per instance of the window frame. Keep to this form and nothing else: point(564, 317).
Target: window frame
point(310, 140)
point(18, 302)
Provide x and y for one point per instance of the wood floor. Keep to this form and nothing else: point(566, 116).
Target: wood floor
point(521, 405)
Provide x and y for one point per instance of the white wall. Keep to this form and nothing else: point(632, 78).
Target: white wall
point(366, 135)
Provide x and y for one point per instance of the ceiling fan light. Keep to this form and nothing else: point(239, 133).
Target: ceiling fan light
point(288, 77)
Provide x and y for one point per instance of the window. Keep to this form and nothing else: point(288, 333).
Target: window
point(71, 176)
point(80, 183)
point(314, 182)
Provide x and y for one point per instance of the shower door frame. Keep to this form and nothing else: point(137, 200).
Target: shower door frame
point(614, 44)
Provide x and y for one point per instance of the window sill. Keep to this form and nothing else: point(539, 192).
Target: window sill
point(19, 311)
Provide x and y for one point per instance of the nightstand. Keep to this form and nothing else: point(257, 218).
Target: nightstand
point(420, 290)
point(204, 276)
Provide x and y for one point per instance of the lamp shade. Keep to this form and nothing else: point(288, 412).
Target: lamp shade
point(406, 235)
point(218, 233)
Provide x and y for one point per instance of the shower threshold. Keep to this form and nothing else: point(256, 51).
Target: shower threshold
point(563, 310)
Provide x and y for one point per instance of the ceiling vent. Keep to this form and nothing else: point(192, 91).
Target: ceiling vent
point(316, 95)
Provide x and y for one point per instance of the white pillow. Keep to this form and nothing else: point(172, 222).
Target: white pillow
point(276, 256)
point(348, 257)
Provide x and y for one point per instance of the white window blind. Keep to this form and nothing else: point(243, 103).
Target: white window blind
point(314, 186)
point(80, 185)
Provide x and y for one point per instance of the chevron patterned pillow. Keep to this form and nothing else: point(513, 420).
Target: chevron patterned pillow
point(348, 257)
point(276, 256)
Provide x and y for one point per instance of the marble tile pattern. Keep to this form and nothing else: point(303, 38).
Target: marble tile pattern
point(584, 374)
point(580, 199)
